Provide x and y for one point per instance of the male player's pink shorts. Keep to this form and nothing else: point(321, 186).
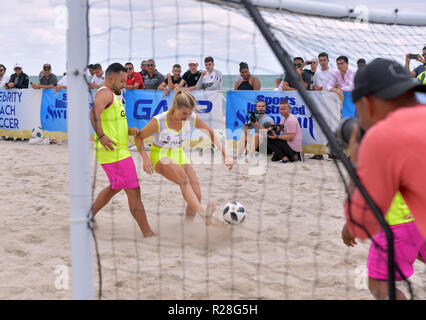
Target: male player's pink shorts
point(408, 244)
point(122, 174)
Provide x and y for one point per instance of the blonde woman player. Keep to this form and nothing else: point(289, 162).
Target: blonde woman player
point(167, 156)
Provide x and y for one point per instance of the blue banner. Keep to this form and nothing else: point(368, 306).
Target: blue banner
point(142, 105)
point(348, 108)
point(53, 110)
point(239, 102)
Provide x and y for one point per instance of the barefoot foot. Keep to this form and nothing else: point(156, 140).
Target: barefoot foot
point(210, 209)
point(149, 234)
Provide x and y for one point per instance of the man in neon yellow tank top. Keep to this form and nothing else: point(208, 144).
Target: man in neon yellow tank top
point(109, 121)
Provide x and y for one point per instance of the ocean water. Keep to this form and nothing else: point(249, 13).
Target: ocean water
point(267, 81)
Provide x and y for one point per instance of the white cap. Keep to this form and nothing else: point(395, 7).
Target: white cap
point(17, 65)
point(194, 61)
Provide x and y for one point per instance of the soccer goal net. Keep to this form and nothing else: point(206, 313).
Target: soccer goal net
point(288, 245)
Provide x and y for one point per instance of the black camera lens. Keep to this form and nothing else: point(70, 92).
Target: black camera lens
point(344, 131)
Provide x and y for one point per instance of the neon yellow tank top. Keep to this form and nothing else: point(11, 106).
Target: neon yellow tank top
point(398, 212)
point(422, 77)
point(114, 125)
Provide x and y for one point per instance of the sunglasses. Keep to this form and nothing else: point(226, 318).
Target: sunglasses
point(150, 65)
point(297, 64)
point(129, 69)
point(47, 68)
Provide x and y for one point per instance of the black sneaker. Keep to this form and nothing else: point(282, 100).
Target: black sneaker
point(317, 157)
point(333, 156)
point(275, 159)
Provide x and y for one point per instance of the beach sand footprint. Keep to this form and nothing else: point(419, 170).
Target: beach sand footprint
point(30, 238)
point(16, 252)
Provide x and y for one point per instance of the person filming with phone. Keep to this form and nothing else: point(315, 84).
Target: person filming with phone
point(418, 57)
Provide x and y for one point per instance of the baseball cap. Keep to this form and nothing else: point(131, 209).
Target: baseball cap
point(17, 65)
point(194, 61)
point(383, 78)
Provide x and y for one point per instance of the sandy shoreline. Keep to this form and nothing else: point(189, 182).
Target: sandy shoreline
point(289, 247)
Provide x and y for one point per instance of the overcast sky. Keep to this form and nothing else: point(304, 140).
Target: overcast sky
point(34, 32)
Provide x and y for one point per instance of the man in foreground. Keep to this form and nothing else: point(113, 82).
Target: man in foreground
point(390, 158)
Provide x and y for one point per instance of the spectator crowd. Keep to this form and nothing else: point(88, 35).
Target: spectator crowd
point(314, 74)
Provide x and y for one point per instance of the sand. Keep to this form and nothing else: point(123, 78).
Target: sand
point(288, 247)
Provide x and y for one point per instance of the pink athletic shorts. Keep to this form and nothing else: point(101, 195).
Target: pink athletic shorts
point(408, 244)
point(122, 174)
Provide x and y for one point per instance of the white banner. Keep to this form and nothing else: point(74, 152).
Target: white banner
point(19, 112)
point(209, 109)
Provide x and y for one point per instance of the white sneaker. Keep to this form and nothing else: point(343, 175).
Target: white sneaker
point(252, 160)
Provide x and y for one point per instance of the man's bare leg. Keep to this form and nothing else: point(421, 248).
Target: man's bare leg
point(138, 211)
point(103, 198)
point(379, 290)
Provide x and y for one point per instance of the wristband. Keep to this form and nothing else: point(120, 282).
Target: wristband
point(100, 137)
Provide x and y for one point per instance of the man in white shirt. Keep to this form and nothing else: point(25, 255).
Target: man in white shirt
point(4, 78)
point(210, 79)
point(324, 74)
point(62, 84)
point(322, 77)
point(98, 77)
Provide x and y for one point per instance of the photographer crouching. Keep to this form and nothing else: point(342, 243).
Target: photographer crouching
point(285, 139)
point(255, 120)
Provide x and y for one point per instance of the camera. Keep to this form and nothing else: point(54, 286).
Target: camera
point(275, 129)
point(250, 118)
point(344, 131)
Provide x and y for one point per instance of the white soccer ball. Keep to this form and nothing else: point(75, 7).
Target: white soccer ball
point(234, 212)
point(37, 132)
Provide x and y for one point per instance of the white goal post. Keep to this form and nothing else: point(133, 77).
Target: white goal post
point(79, 151)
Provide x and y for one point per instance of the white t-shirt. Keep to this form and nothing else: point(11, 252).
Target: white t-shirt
point(63, 81)
point(322, 78)
point(210, 81)
point(98, 80)
point(4, 80)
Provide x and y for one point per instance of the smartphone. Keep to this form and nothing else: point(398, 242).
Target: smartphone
point(413, 56)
